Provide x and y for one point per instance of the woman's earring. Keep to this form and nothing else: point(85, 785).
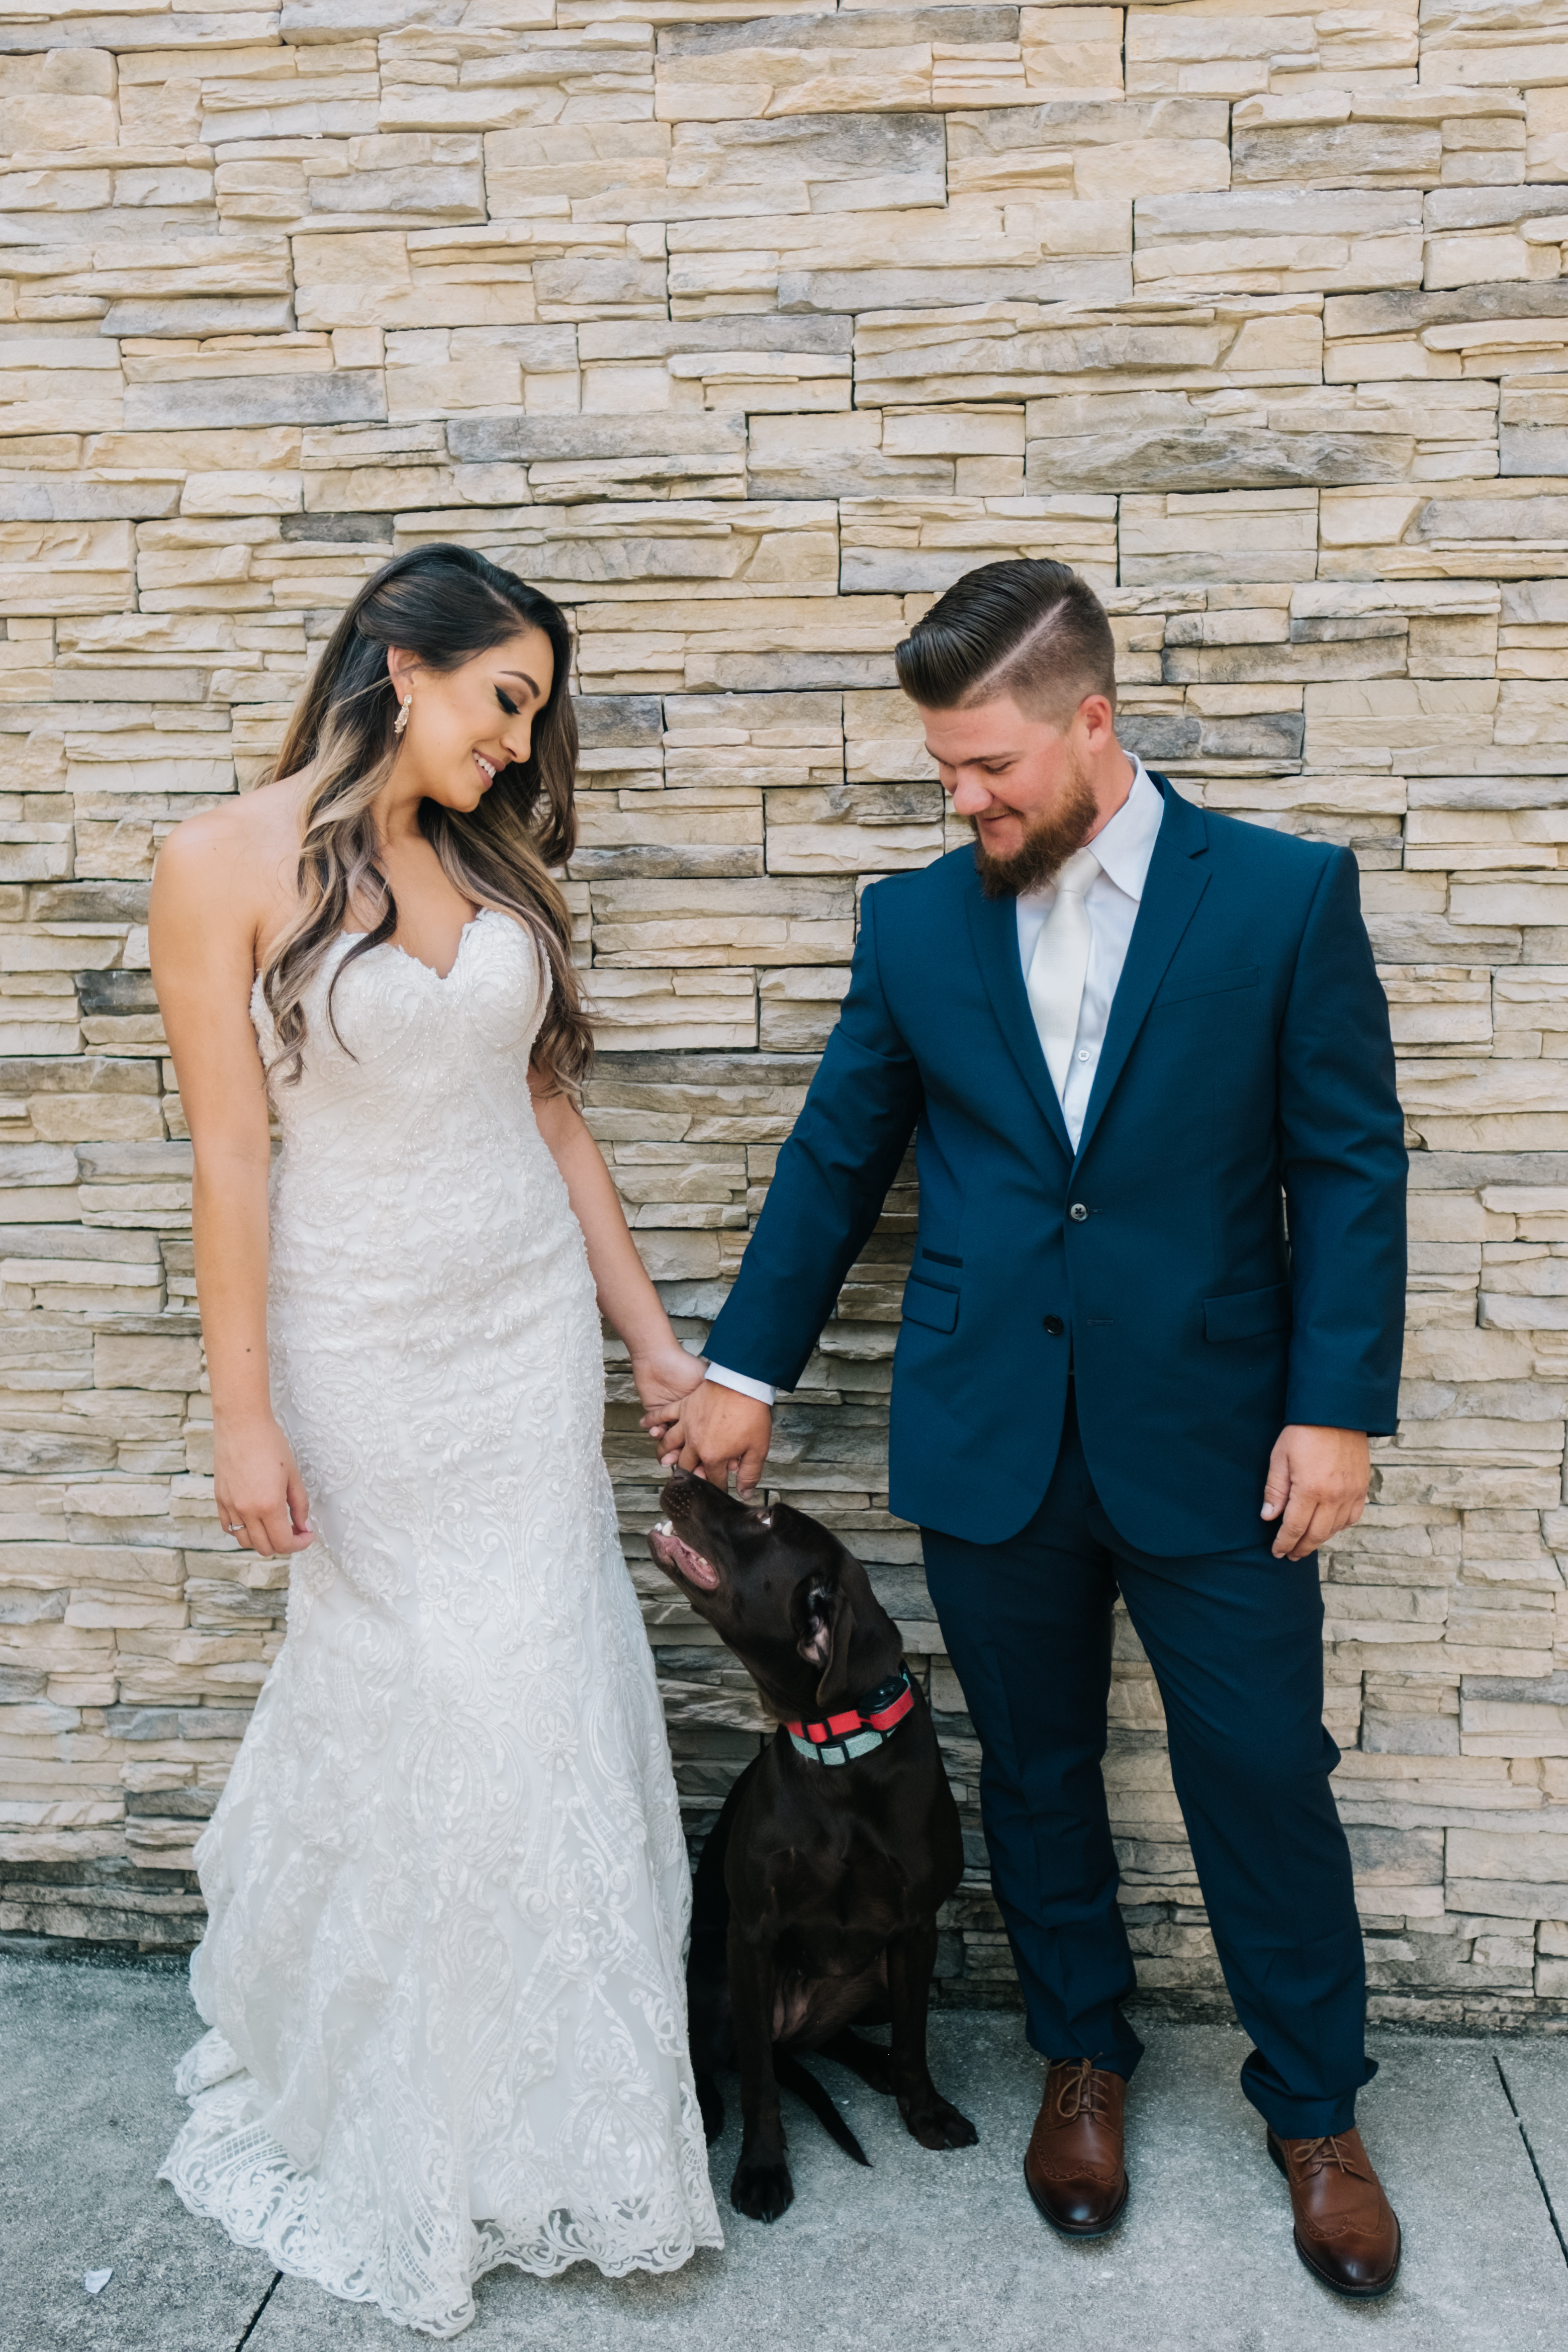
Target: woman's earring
point(400, 721)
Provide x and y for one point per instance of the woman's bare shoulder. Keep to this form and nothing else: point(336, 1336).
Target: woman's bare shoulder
point(248, 845)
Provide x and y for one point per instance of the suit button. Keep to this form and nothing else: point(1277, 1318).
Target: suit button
point(1078, 1213)
point(1055, 1326)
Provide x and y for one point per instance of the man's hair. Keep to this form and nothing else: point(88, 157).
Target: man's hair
point(1029, 628)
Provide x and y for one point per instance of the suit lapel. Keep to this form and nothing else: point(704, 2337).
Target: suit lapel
point(1178, 878)
point(993, 926)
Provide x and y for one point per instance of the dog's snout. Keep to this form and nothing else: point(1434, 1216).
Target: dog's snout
point(677, 1492)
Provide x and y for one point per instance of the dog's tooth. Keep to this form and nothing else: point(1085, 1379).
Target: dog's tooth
point(664, 1529)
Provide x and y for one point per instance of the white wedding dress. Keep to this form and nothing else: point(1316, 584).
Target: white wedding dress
point(446, 1884)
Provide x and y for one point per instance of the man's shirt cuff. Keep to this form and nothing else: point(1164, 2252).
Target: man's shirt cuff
point(763, 1390)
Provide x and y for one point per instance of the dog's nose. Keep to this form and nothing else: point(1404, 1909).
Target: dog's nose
point(673, 1493)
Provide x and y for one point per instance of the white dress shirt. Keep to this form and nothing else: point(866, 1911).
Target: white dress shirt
point(1123, 847)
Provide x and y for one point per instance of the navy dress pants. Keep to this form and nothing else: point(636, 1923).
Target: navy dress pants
point(1235, 1640)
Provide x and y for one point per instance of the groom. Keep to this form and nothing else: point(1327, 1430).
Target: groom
point(1132, 1038)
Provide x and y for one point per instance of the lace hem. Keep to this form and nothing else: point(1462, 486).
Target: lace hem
point(225, 2168)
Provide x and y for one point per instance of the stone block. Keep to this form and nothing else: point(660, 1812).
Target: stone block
point(57, 101)
point(708, 832)
point(1203, 456)
point(854, 828)
point(797, 1009)
point(734, 923)
point(1319, 144)
point(839, 455)
point(420, 279)
point(1236, 535)
point(906, 544)
point(1265, 240)
point(324, 399)
point(724, 550)
point(1072, 53)
point(773, 67)
point(1513, 49)
point(696, 171)
point(65, 567)
point(1238, 54)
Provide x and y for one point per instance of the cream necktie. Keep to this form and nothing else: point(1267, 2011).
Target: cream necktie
point(1059, 965)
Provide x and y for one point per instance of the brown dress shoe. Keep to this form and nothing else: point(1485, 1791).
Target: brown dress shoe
point(1346, 2231)
point(1074, 2169)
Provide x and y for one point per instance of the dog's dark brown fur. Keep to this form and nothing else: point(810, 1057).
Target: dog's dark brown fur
point(817, 1894)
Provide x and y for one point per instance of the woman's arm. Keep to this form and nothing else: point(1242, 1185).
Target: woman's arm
point(203, 934)
point(661, 1367)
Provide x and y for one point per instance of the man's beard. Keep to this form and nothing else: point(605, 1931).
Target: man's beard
point(1048, 843)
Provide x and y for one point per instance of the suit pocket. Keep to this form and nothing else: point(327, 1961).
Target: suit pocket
point(930, 1303)
point(1208, 983)
point(1248, 1314)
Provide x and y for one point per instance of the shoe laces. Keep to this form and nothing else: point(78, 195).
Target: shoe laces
point(1081, 2091)
point(1317, 2155)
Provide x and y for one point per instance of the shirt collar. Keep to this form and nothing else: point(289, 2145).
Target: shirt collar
point(1126, 843)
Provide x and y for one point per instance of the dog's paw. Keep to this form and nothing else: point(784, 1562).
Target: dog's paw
point(762, 2191)
point(712, 2106)
point(937, 2125)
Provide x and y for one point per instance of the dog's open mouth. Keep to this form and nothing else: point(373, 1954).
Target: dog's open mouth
point(671, 1551)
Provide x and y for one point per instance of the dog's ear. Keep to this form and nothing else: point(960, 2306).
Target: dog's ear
point(825, 1643)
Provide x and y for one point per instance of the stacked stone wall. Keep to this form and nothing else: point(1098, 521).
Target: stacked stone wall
point(744, 334)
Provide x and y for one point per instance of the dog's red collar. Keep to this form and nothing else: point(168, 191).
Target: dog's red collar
point(858, 1729)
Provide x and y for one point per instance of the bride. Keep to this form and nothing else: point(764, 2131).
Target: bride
point(447, 1885)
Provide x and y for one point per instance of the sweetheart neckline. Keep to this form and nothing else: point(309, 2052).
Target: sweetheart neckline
point(440, 978)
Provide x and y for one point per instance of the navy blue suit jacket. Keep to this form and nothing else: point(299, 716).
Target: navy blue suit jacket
point(1247, 1073)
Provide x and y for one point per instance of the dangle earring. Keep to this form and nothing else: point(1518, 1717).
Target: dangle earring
point(400, 721)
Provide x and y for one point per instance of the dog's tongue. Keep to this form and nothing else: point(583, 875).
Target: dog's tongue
point(681, 1557)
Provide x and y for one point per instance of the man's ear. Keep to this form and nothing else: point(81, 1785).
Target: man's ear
point(825, 1643)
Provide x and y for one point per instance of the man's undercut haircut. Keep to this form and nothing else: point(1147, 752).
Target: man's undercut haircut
point(1029, 628)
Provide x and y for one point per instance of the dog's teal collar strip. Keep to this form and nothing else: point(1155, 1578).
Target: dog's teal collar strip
point(839, 1751)
point(858, 1729)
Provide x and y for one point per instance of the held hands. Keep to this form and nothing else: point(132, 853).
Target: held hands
point(718, 1430)
point(699, 1425)
point(664, 1377)
point(1318, 1479)
point(259, 1492)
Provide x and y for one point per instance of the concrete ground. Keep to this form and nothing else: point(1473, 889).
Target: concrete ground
point(923, 2254)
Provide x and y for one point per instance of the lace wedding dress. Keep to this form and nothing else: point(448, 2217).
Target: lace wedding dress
point(446, 1884)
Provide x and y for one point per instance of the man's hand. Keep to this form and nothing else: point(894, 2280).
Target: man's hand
point(718, 1430)
point(1318, 1479)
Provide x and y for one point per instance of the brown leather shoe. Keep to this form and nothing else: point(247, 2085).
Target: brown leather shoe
point(1347, 2231)
point(1074, 2169)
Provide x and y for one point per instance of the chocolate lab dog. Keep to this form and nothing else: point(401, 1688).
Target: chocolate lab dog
point(817, 1894)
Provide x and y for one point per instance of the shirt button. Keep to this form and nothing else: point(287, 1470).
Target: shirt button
point(1054, 1325)
point(1083, 1052)
point(1078, 1213)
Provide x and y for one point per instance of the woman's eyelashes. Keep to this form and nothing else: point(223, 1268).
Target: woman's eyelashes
point(507, 704)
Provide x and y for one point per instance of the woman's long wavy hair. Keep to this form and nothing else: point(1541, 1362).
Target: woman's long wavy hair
point(443, 604)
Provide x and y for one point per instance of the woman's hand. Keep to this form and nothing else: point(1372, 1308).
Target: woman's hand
point(260, 1494)
point(664, 1377)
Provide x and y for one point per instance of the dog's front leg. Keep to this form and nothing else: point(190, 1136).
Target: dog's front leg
point(762, 2187)
point(911, 1958)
